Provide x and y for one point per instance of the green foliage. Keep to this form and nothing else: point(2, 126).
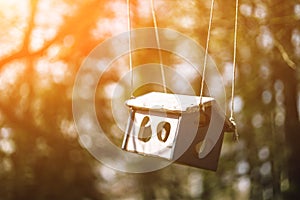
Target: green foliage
point(43, 45)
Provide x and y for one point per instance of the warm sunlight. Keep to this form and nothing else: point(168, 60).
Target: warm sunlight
point(5, 3)
point(13, 7)
point(14, 15)
point(70, 94)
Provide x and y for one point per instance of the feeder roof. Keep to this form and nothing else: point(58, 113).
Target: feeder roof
point(169, 102)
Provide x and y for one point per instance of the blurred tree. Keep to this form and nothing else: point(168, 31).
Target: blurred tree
point(40, 155)
point(286, 61)
point(42, 46)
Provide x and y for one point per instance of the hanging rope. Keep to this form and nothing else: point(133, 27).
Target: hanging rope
point(130, 48)
point(206, 51)
point(236, 135)
point(158, 46)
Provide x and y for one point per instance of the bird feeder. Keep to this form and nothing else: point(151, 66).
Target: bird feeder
point(175, 127)
point(181, 128)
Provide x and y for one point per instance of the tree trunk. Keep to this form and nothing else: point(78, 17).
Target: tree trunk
point(292, 133)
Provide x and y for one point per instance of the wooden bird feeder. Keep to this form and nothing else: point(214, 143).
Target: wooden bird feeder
point(177, 128)
point(185, 129)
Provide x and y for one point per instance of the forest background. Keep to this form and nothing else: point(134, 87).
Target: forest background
point(42, 46)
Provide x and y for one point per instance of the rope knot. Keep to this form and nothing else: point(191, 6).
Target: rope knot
point(235, 133)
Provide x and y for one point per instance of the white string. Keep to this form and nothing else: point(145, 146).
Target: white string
point(158, 46)
point(234, 60)
point(236, 135)
point(130, 48)
point(206, 50)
